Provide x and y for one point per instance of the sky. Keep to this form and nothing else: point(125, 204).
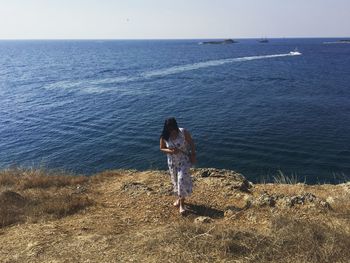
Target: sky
point(173, 19)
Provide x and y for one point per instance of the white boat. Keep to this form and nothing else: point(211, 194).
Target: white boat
point(295, 52)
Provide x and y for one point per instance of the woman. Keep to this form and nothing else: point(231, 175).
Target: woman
point(177, 143)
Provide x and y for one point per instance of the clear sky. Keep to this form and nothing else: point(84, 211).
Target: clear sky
point(154, 19)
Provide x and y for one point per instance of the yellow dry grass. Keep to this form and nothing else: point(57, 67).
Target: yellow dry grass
point(127, 216)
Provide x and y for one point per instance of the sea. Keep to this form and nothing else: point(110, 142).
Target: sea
point(85, 106)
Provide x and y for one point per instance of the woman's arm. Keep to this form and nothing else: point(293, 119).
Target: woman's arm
point(164, 149)
point(190, 141)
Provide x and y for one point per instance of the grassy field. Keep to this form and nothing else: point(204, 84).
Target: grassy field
point(127, 216)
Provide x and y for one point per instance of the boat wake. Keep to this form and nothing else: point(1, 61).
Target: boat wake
point(96, 85)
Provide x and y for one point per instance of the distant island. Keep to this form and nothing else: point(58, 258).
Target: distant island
point(226, 41)
point(342, 41)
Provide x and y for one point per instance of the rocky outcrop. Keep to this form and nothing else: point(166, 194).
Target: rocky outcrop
point(226, 178)
point(286, 201)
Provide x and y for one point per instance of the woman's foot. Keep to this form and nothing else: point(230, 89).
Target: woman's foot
point(182, 205)
point(182, 210)
point(176, 203)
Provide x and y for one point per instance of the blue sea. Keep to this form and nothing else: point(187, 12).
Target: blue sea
point(87, 106)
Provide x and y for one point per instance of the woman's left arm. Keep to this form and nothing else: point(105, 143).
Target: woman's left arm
point(190, 141)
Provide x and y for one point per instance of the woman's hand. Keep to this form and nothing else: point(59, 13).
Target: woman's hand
point(174, 150)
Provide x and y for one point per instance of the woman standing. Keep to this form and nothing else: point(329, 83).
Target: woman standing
point(177, 143)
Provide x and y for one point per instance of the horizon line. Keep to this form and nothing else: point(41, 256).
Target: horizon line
point(111, 39)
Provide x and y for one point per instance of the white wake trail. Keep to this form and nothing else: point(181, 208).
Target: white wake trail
point(96, 85)
point(210, 63)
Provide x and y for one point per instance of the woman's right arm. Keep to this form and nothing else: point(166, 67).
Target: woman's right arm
point(165, 149)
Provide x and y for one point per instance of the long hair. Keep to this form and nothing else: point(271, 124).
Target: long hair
point(169, 125)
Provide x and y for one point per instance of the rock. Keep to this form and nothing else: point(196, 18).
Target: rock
point(202, 220)
point(205, 174)
point(249, 200)
point(243, 186)
point(297, 200)
point(280, 200)
point(229, 213)
point(330, 200)
point(80, 189)
point(325, 204)
point(310, 197)
point(229, 179)
point(265, 200)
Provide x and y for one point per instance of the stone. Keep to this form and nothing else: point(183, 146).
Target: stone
point(249, 200)
point(229, 179)
point(310, 197)
point(265, 200)
point(202, 220)
point(330, 200)
point(325, 204)
point(229, 213)
point(205, 174)
point(80, 189)
point(297, 200)
point(286, 202)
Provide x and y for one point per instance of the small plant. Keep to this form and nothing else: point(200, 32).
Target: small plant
point(340, 177)
point(281, 178)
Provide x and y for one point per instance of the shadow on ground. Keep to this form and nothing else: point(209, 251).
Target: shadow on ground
point(202, 210)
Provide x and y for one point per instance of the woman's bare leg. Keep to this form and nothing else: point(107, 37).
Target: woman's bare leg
point(182, 205)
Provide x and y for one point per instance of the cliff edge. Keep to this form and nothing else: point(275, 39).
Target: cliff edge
point(127, 216)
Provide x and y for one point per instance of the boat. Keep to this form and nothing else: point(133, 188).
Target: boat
point(263, 40)
point(295, 52)
point(226, 41)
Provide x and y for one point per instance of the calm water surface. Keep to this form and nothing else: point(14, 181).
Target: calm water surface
point(87, 106)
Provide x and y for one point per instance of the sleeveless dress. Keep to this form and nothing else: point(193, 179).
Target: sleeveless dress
point(179, 165)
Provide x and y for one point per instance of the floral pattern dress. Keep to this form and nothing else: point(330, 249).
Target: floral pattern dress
point(179, 165)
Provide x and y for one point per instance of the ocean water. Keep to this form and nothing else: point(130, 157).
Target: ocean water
point(87, 106)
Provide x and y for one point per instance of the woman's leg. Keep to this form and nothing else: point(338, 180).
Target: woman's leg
point(182, 204)
point(174, 180)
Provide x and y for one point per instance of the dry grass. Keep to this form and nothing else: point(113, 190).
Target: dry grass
point(281, 178)
point(289, 241)
point(32, 195)
point(138, 223)
point(108, 174)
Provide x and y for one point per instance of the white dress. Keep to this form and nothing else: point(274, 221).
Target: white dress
point(179, 165)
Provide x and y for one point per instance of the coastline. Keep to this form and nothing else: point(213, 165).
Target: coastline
point(126, 215)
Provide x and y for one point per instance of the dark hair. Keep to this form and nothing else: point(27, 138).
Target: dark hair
point(169, 125)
